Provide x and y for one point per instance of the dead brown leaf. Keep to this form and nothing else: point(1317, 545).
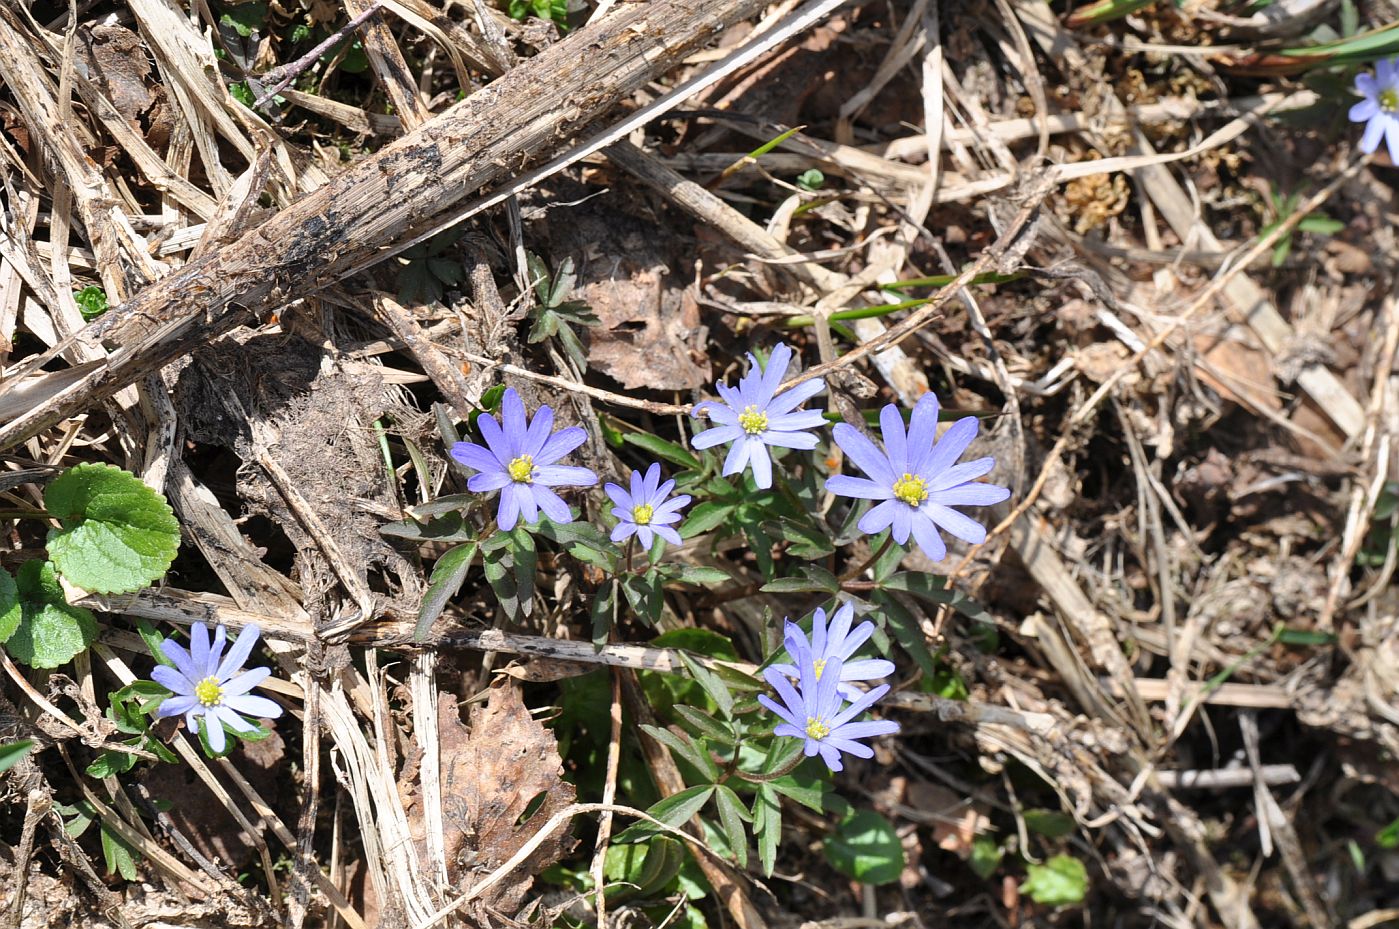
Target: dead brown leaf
point(504, 764)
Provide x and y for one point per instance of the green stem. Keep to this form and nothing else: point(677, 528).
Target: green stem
point(851, 575)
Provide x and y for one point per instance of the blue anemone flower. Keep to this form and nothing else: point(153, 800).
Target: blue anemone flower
point(645, 512)
point(814, 712)
point(206, 682)
point(835, 641)
point(519, 460)
point(1379, 111)
point(916, 478)
point(753, 416)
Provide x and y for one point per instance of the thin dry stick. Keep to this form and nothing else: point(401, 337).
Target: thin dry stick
point(609, 794)
point(283, 75)
point(1363, 498)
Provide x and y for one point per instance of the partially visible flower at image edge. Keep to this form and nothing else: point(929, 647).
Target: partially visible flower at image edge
point(835, 641)
point(813, 712)
point(1379, 111)
point(206, 682)
point(644, 511)
point(753, 416)
point(519, 458)
point(917, 479)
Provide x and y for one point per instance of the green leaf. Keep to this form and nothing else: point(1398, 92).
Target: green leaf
point(12, 753)
point(811, 578)
point(767, 826)
point(663, 449)
point(701, 576)
point(685, 750)
point(865, 848)
point(110, 764)
point(10, 610)
point(675, 810)
point(732, 815)
point(117, 536)
point(153, 638)
point(986, 856)
point(710, 683)
point(447, 577)
point(119, 857)
point(907, 631)
point(1388, 837)
point(704, 517)
point(1060, 881)
point(91, 301)
point(1320, 225)
point(50, 631)
point(642, 869)
point(703, 724)
point(1050, 823)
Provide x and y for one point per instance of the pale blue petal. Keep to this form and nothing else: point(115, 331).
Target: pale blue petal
point(176, 653)
point(737, 459)
point(239, 653)
point(712, 437)
point(177, 705)
point(619, 497)
point(867, 669)
point(253, 705)
point(789, 400)
point(798, 421)
point(891, 427)
point(487, 481)
point(564, 476)
point(880, 517)
point(903, 522)
point(861, 450)
point(213, 731)
point(513, 421)
point(960, 474)
point(560, 444)
point(172, 680)
point(925, 532)
point(956, 524)
point(802, 440)
point(1364, 110)
point(476, 456)
point(1374, 131)
point(970, 495)
point(623, 531)
point(846, 486)
point(242, 683)
point(509, 511)
point(500, 444)
point(235, 722)
point(552, 505)
point(948, 449)
point(538, 432)
point(761, 462)
point(667, 533)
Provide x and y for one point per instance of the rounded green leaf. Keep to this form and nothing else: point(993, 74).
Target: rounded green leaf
point(865, 847)
point(118, 535)
point(1060, 881)
point(50, 631)
point(10, 612)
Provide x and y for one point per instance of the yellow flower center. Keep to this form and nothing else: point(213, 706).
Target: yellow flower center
point(752, 420)
point(521, 470)
point(641, 515)
point(209, 692)
point(817, 728)
point(1389, 99)
point(911, 489)
point(818, 666)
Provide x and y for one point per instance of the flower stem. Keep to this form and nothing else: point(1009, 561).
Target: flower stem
point(851, 575)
